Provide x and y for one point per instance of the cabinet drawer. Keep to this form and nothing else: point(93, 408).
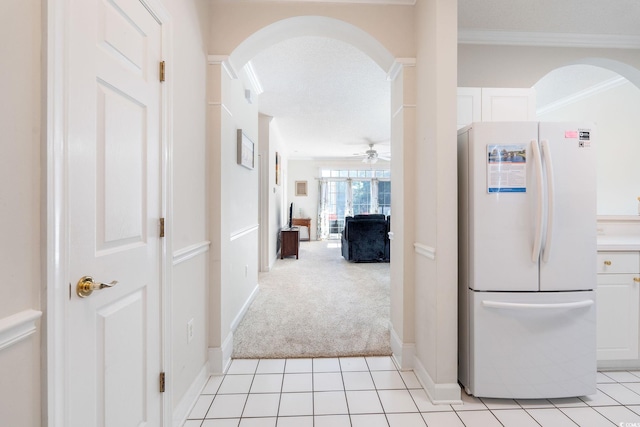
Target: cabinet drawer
point(618, 262)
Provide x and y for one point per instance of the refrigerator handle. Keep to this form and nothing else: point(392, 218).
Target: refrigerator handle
point(534, 306)
point(548, 164)
point(537, 242)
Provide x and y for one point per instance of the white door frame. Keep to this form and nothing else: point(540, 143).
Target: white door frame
point(57, 288)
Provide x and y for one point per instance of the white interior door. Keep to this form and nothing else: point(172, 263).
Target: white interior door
point(114, 205)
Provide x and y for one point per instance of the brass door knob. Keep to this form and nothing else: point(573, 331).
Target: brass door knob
point(607, 262)
point(86, 286)
point(636, 279)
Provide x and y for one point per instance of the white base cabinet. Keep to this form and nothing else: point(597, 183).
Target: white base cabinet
point(618, 307)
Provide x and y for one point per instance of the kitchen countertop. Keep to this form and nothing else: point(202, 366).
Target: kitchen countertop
point(619, 243)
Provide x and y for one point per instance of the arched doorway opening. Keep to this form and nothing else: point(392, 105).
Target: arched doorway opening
point(221, 323)
point(606, 93)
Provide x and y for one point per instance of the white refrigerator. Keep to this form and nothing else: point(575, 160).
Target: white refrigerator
point(527, 259)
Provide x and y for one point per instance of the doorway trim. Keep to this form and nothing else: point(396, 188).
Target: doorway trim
point(56, 289)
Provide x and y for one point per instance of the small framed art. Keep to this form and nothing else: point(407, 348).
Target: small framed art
point(301, 188)
point(246, 149)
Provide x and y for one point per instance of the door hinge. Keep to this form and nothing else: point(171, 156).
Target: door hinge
point(161, 227)
point(162, 384)
point(162, 72)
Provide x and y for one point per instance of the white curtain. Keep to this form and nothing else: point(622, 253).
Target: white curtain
point(348, 208)
point(374, 196)
point(323, 221)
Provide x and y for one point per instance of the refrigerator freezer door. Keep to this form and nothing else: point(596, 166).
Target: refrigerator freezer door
point(532, 345)
point(568, 259)
point(502, 203)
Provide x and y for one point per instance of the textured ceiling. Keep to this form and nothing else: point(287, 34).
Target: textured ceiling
point(329, 99)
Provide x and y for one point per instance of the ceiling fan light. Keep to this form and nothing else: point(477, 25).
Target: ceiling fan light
point(370, 160)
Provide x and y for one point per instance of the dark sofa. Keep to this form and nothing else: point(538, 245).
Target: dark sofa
point(365, 238)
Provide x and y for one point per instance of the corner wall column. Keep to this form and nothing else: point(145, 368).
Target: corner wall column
point(403, 124)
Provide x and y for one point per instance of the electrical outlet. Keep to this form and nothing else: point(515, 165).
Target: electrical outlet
point(189, 331)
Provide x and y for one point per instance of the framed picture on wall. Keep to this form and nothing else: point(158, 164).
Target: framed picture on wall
point(246, 149)
point(301, 188)
point(278, 168)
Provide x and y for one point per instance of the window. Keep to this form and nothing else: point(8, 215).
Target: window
point(361, 196)
point(351, 192)
point(384, 197)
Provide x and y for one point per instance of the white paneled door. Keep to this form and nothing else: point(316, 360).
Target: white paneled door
point(114, 204)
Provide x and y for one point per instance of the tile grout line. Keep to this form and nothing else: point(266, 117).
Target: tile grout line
point(344, 388)
point(547, 404)
point(284, 369)
point(375, 387)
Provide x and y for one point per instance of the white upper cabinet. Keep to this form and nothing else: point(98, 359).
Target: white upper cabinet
point(469, 105)
point(495, 105)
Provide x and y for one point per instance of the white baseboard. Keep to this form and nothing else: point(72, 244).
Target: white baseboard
point(181, 412)
point(403, 354)
point(440, 394)
point(245, 307)
point(220, 357)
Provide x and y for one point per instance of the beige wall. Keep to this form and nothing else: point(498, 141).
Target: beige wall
point(20, 185)
point(271, 195)
point(435, 199)
point(189, 275)
point(20, 198)
point(403, 131)
point(233, 22)
point(522, 66)
point(234, 211)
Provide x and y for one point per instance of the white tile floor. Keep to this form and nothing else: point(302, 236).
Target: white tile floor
point(371, 392)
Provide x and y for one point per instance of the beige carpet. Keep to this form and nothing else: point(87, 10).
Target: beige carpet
point(317, 306)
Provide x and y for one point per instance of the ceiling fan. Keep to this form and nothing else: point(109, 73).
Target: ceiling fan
point(371, 156)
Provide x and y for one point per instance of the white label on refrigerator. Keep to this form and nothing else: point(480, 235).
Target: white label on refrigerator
point(584, 138)
point(506, 168)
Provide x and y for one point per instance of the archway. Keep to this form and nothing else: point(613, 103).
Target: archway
point(221, 336)
point(606, 93)
point(625, 70)
point(311, 26)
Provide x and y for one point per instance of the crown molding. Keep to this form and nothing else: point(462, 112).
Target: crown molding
point(522, 38)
